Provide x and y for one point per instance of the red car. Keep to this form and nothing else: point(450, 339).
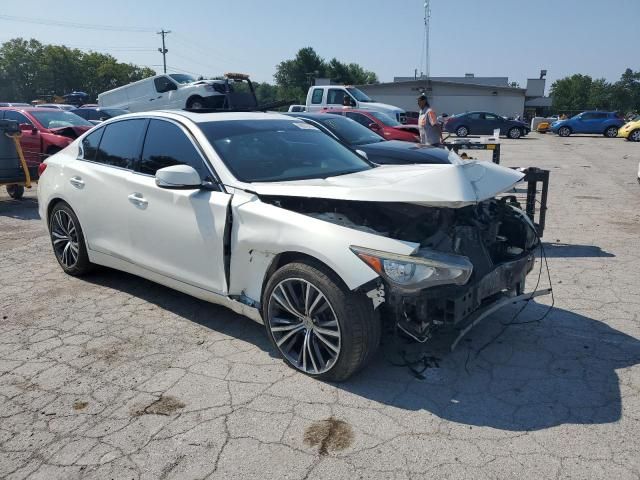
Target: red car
point(45, 131)
point(381, 123)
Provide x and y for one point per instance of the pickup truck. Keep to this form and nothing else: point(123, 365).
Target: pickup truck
point(322, 97)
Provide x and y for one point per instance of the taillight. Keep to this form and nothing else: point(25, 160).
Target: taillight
point(41, 168)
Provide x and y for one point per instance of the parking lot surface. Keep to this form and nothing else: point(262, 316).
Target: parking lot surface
point(112, 376)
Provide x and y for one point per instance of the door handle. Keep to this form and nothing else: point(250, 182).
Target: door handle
point(138, 200)
point(76, 182)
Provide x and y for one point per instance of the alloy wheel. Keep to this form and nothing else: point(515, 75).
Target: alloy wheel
point(304, 326)
point(64, 235)
point(635, 136)
point(462, 132)
point(611, 132)
point(514, 133)
point(564, 132)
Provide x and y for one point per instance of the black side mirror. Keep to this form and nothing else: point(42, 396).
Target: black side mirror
point(374, 126)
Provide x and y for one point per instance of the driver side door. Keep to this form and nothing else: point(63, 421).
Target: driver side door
point(165, 93)
point(29, 140)
point(178, 233)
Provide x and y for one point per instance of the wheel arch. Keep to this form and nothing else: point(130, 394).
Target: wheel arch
point(192, 97)
point(285, 258)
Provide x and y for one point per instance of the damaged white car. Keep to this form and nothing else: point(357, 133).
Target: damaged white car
point(274, 219)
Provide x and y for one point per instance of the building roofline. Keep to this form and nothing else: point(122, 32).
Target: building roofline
point(444, 82)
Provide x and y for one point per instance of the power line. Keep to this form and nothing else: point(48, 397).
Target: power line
point(86, 26)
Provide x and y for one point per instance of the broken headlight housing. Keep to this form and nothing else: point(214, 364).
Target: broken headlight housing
point(415, 272)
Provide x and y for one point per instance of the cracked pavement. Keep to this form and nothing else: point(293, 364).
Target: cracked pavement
point(112, 376)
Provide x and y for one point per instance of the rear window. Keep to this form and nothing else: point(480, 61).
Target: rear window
point(90, 144)
point(121, 143)
point(317, 96)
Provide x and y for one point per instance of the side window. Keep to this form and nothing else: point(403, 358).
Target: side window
point(93, 115)
point(163, 84)
point(166, 145)
point(361, 119)
point(588, 116)
point(121, 142)
point(90, 144)
point(317, 96)
point(600, 116)
point(17, 116)
point(81, 112)
point(475, 116)
point(490, 116)
point(335, 96)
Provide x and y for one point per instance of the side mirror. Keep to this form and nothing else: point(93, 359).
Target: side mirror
point(180, 177)
point(374, 126)
point(362, 153)
point(171, 86)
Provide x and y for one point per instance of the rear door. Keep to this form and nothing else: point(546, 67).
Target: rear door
point(474, 122)
point(177, 233)
point(491, 122)
point(98, 185)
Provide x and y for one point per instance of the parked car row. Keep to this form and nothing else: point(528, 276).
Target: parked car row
point(280, 219)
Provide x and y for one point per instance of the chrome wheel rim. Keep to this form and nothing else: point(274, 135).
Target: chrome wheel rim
point(304, 326)
point(64, 236)
point(462, 132)
point(515, 133)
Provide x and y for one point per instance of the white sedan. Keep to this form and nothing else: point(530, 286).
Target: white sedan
point(272, 218)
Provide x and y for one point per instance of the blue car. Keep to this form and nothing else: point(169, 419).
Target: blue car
point(605, 123)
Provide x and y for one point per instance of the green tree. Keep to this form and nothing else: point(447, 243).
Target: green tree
point(31, 70)
point(294, 76)
point(571, 93)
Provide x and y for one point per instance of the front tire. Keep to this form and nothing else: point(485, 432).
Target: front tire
point(67, 240)
point(514, 133)
point(611, 132)
point(634, 136)
point(564, 131)
point(462, 131)
point(317, 324)
point(15, 191)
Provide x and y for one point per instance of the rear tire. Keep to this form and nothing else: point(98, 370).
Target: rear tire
point(564, 131)
point(15, 191)
point(67, 240)
point(462, 131)
point(634, 136)
point(306, 305)
point(611, 132)
point(514, 133)
point(196, 103)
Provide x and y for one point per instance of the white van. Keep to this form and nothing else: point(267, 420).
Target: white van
point(177, 91)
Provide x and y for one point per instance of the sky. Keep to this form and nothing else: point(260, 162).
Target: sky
point(513, 38)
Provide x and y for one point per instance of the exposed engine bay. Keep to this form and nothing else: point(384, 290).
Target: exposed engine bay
point(495, 235)
point(69, 132)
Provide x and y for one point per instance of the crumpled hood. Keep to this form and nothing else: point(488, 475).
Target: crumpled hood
point(454, 186)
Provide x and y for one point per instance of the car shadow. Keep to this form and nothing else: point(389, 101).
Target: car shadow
point(209, 315)
point(532, 376)
point(23, 209)
point(567, 250)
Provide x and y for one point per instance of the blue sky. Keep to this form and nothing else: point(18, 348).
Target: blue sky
point(513, 38)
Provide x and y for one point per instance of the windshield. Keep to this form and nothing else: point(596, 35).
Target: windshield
point(359, 95)
point(386, 119)
point(350, 131)
point(59, 119)
point(279, 150)
point(182, 78)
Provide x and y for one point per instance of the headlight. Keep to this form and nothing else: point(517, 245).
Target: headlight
point(412, 272)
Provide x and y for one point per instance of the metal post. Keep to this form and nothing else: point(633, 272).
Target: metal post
point(163, 50)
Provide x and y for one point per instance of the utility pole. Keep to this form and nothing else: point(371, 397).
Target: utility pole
point(163, 50)
point(427, 18)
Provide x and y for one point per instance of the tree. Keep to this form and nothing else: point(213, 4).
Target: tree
point(294, 76)
point(30, 70)
point(571, 93)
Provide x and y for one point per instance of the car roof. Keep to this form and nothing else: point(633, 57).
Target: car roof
point(205, 117)
point(31, 109)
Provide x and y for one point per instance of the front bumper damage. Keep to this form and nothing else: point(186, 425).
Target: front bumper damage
point(457, 308)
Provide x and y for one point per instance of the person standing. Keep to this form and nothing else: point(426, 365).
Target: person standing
point(430, 133)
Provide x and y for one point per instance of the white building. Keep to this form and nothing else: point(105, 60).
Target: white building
point(453, 95)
